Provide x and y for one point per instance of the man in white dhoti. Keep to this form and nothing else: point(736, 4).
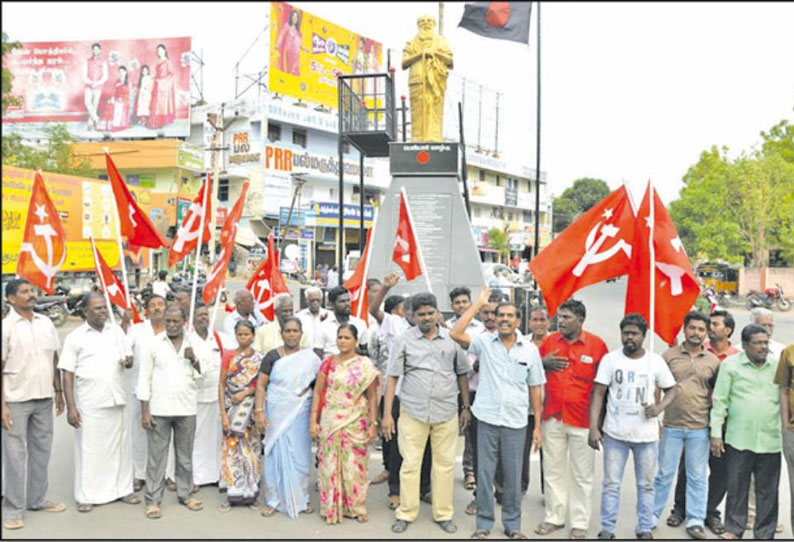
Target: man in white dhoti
point(207, 446)
point(93, 360)
point(139, 337)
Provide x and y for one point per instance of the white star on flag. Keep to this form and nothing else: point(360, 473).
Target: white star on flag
point(607, 214)
point(648, 221)
point(41, 212)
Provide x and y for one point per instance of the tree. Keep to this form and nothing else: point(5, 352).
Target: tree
point(56, 156)
point(8, 77)
point(739, 210)
point(576, 200)
point(497, 239)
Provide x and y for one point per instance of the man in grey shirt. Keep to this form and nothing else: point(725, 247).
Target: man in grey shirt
point(433, 368)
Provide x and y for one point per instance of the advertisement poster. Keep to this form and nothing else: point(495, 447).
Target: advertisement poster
point(307, 54)
point(122, 88)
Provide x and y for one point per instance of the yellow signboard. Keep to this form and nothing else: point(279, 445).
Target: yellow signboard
point(308, 53)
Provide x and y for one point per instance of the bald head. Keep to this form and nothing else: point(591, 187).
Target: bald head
point(283, 308)
point(244, 301)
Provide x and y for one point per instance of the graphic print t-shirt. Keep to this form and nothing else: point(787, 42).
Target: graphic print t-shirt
point(632, 383)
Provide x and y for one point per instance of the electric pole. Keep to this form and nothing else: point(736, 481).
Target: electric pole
point(216, 159)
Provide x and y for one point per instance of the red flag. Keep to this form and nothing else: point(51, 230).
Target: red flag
point(500, 20)
point(357, 286)
point(676, 286)
point(188, 232)
point(596, 247)
point(43, 248)
point(406, 251)
point(267, 281)
point(134, 224)
point(228, 233)
point(111, 284)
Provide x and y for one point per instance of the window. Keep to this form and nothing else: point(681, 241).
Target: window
point(345, 147)
point(133, 180)
point(529, 186)
point(103, 176)
point(482, 176)
point(528, 217)
point(299, 137)
point(223, 190)
point(498, 181)
point(510, 216)
point(273, 131)
point(332, 193)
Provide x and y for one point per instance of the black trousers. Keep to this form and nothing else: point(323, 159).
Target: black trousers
point(766, 469)
point(393, 460)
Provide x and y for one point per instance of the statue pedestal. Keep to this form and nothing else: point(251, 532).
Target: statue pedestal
point(430, 173)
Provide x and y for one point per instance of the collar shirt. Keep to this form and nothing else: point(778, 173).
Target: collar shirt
point(568, 393)
point(503, 397)
point(269, 337)
point(326, 339)
point(168, 380)
point(475, 327)
point(95, 358)
point(750, 400)
point(28, 350)
point(161, 288)
point(695, 377)
point(256, 318)
point(310, 322)
point(209, 354)
point(731, 351)
point(137, 340)
point(784, 377)
point(430, 370)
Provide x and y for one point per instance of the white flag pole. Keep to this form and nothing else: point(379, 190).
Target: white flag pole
point(121, 247)
point(416, 238)
point(363, 289)
point(652, 250)
point(207, 182)
point(102, 281)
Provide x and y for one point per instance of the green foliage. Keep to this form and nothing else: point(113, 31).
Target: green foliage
point(55, 155)
point(576, 200)
point(8, 77)
point(739, 210)
point(497, 239)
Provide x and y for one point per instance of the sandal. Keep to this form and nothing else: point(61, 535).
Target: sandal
point(309, 509)
point(362, 518)
point(516, 535)
point(193, 504)
point(547, 528)
point(49, 506)
point(131, 499)
point(394, 502)
point(480, 534)
point(674, 520)
point(153, 512)
point(256, 507)
point(137, 485)
point(578, 534)
point(13, 523)
point(268, 511)
point(85, 507)
point(471, 508)
point(697, 532)
point(224, 507)
point(470, 482)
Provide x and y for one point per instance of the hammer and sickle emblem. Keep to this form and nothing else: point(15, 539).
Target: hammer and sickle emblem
point(403, 245)
point(47, 268)
point(187, 233)
point(592, 247)
point(264, 286)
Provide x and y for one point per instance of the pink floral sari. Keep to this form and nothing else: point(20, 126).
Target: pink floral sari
point(342, 450)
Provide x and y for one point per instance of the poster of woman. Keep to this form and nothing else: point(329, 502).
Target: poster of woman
point(116, 115)
point(163, 105)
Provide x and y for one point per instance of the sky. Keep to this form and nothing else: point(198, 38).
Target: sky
point(630, 91)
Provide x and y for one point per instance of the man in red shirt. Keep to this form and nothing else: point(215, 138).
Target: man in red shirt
point(570, 357)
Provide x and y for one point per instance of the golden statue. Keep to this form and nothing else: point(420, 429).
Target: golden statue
point(429, 59)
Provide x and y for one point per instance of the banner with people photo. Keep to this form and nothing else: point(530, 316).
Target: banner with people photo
point(119, 88)
point(308, 53)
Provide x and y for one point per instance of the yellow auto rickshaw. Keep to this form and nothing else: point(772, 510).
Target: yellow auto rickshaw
point(719, 276)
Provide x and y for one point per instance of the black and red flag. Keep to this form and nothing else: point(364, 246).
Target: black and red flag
point(498, 20)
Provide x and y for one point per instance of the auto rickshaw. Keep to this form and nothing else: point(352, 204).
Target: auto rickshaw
point(720, 276)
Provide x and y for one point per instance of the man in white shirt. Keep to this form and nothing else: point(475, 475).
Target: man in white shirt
point(268, 336)
point(244, 310)
point(30, 379)
point(168, 390)
point(93, 362)
point(631, 376)
point(312, 316)
point(339, 298)
point(160, 287)
point(138, 338)
point(333, 278)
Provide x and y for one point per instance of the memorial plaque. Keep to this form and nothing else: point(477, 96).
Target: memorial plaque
point(423, 159)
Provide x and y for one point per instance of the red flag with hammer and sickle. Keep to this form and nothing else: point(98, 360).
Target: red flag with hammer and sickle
point(596, 247)
point(188, 233)
point(111, 284)
point(43, 250)
point(267, 281)
point(228, 234)
point(406, 247)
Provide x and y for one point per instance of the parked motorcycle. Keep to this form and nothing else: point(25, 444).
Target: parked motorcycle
point(768, 298)
point(54, 307)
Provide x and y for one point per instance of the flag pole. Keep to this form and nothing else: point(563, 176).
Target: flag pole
point(363, 289)
point(102, 281)
point(207, 182)
point(121, 247)
point(215, 308)
point(418, 244)
point(652, 250)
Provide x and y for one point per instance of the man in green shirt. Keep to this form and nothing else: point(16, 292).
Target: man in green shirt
point(748, 396)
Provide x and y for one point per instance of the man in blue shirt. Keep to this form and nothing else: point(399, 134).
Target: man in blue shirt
point(509, 365)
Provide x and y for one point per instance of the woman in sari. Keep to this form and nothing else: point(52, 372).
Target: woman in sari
point(347, 386)
point(241, 447)
point(288, 44)
point(116, 115)
point(163, 104)
point(145, 83)
point(285, 387)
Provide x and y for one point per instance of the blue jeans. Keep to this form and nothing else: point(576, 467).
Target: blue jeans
point(616, 453)
point(695, 442)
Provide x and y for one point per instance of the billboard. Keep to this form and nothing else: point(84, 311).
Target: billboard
point(122, 88)
point(307, 54)
point(86, 208)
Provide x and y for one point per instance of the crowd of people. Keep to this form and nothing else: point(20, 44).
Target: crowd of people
point(168, 403)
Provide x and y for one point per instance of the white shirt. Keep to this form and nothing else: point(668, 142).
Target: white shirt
point(326, 339)
point(256, 318)
point(333, 279)
point(137, 339)
point(161, 288)
point(310, 322)
point(95, 359)
point(28, 348)
point(209, 354)
point(168, 380)
point(632, 384)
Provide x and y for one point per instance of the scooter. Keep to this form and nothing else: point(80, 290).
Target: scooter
point(54, 307)
point(768, 298)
